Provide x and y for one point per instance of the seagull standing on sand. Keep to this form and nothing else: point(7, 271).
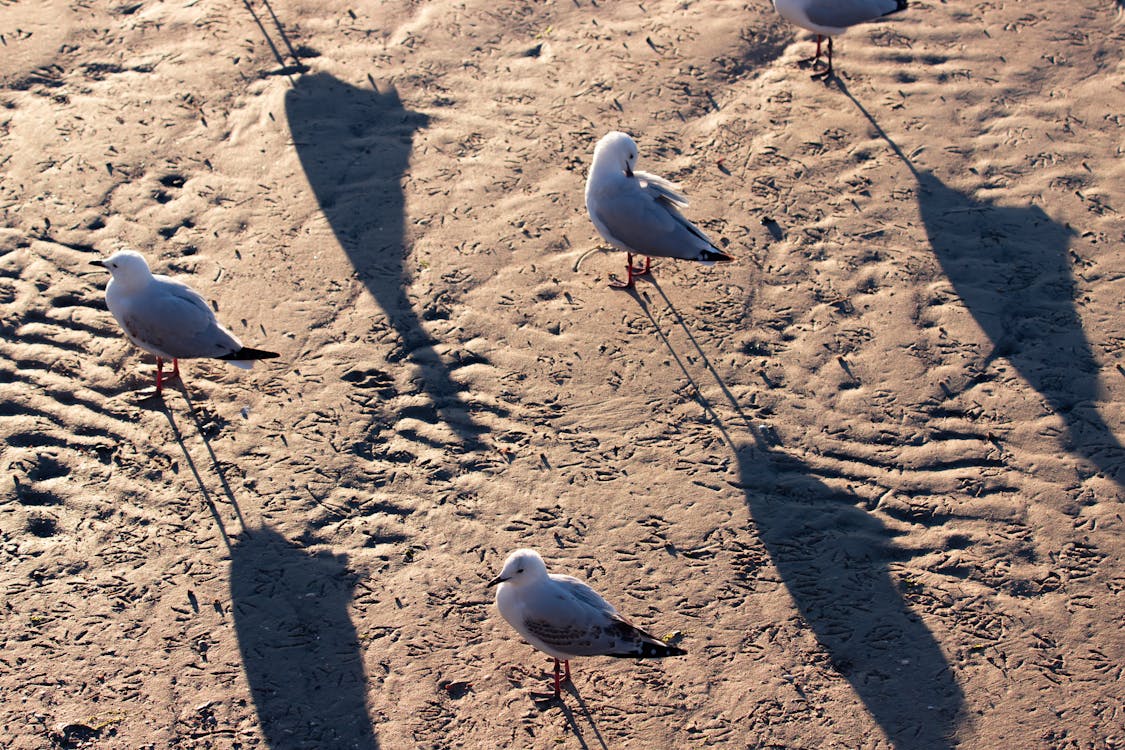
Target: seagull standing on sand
point(565, 618)
point(638, 212)
point(829, 18)
point(168, 318)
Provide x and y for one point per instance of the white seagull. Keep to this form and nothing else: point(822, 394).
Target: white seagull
point(565, 618)
point(829, 18)
point(168, 318)
point(638, 212)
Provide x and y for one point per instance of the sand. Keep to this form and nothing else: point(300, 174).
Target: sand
point(870, 475)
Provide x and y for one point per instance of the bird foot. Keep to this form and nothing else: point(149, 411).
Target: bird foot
point(144, 395)
point(544, 701)
point(615, 283)
point(548, 694)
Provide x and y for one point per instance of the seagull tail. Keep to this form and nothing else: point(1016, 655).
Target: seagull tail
point(650, 648)
point(658, 649)
point(245, 357)
point(647, 646)
point(712, 256)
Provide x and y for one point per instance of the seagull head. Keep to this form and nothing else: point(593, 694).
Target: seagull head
point(127, 267)
point(618, 150)
point(522, 566)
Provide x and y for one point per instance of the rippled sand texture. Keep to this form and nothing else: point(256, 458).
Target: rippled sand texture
point(870, 475)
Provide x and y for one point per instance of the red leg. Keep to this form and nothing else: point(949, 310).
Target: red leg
point(566, 663)
point(643, 270)
point(558, 682)
point(175, 367)
point(827, 72)
point(159, 376)
point(815, 59)
point(628, 275)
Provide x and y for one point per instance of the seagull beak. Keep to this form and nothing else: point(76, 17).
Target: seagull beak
point(628, 170)
point(496, 580)
point(100, 263)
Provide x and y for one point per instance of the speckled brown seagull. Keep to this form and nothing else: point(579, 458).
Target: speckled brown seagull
point(565, 618)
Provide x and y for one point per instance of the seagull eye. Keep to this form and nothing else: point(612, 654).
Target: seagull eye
point(520, 570)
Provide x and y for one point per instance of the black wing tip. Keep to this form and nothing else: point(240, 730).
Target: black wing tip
point(714, 256)
point(247, 353)
point(652, 650)
point(901, 6)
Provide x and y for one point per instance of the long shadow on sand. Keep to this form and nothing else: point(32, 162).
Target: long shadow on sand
point(299, 648)
point(354, 145)
point(834, 558)
point(298, 644)
point(1011, 266)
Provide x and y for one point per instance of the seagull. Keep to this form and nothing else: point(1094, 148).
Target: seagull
point(638, 212)
point(565, 618)
point(829, 18)
point(168, 318)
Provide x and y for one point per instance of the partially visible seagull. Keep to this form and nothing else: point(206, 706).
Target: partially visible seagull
point(168, 318)
point(565, 618)
point(829, 18)
point(638, 212)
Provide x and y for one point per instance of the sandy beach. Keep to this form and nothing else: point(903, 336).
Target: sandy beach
point(870, 475)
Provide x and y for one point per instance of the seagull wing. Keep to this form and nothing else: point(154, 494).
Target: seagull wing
point(843, 13)
point(603, 636)
point(583, 593)
point(571, 618)
point(172, 320)
point(659, 187)
point(643, 218)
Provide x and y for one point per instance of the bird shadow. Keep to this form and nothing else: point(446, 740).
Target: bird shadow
point(215, 465)
point(586, 714)
point(548, 700)
point(354, 145)
point(299, 647)
point(285, 68)
point(1012, 268)
point(206, 494)
point(834, 559)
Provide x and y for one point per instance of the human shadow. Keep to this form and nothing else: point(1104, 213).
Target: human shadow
point(299, 648)
point(354, 145)
point(1012, 267)
point(834, 559)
